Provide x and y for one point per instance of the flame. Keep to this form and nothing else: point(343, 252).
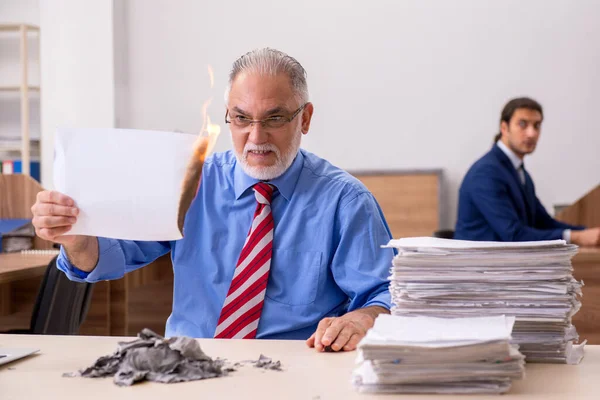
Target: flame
point(205, 142)
point(211, 75)
point(209, 131)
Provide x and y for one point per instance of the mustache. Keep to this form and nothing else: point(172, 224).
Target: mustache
point(261, 147)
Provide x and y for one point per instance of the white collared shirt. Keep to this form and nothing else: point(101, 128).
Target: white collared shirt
point(514, 159)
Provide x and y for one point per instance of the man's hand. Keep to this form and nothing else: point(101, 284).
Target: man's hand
point(344, 333)
point(54, 215)
point(586, 237)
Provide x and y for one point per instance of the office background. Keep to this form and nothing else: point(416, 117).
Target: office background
point(412, 84)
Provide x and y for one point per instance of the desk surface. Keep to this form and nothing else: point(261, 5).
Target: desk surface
point(307, 374)
point(16, 266)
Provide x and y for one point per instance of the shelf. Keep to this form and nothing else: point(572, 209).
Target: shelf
point(6, 157)
point(17, 27)
point(17, 148)
point(14, 144)
point(16, 156)
point(18, 88)
point(9, 147)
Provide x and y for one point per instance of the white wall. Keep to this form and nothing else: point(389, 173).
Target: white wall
point(20, 11)
point(396, 84)
point(78, 86)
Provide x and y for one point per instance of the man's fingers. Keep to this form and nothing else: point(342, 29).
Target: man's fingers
point(51, 209)
point(344, 333)
point(52, 196)
point(321, 328)
point(310, 342)
point(353, 342)
point(343, 337)
point(332, 332)
point(53, 222)
point(52, 233)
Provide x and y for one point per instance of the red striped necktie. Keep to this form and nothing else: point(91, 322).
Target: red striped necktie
point(244, 302)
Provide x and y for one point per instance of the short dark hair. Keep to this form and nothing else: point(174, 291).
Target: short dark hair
point(509, 110)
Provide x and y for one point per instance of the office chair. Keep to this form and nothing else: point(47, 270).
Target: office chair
point(444, 234)
point(61, 304)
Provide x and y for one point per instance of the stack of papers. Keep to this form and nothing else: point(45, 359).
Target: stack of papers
point(436, 355)
point(531, 281)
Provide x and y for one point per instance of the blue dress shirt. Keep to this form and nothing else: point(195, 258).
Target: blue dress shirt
point(326, 257)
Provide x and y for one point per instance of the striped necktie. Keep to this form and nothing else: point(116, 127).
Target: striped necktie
point(244, 302)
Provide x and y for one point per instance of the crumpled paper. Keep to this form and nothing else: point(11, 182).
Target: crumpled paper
point(154, 358)
point(267, 363)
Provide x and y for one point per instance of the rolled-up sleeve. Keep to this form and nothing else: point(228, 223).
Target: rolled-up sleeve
point(360, 266)
point(115, 259)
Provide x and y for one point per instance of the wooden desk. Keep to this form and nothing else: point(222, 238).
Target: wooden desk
point(20, 275)
point(17, 266)
point(20, 278)
point(307, 374)
point(586, 211)
point(15, 269)
point(122, 307)
point(588, 255)
point(586, 266)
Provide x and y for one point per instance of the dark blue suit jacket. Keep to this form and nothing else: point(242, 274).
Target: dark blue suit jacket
point(493, 205)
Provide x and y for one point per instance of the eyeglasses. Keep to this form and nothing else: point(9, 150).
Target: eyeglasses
point(274, 122)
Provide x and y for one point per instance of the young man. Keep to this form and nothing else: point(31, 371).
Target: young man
point(497, 198)
point(310, 267)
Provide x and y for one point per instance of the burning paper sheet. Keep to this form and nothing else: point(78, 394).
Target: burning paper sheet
point(202, 148)
point(128, 183)
point(132, 184)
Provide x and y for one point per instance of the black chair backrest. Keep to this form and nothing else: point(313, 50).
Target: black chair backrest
point(444, 234)
point(61, 304)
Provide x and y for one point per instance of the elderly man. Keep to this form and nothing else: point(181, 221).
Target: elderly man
point(278, 242)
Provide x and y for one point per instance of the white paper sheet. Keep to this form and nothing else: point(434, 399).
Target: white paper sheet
point(440, 332)
point(126, 183)
point(452, 244)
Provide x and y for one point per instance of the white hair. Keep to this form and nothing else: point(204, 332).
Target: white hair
point(267, 61)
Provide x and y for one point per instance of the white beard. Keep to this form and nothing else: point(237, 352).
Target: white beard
point(282, 162)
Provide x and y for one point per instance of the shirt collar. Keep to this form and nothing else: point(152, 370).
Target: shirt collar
point(514, 159)
point(285, 184)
